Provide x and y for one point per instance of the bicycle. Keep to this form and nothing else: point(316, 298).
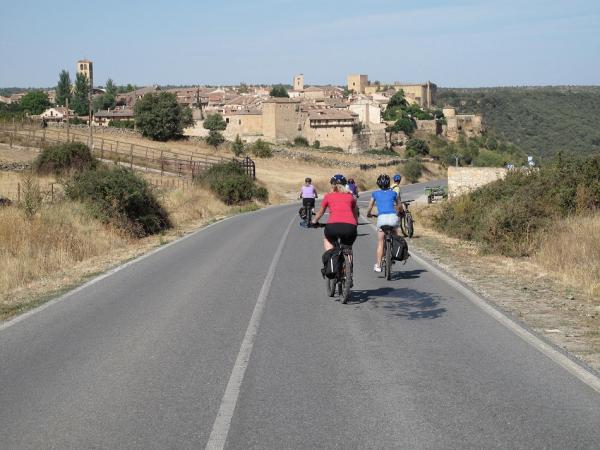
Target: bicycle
point(406, 220)
point(308, 213)
point(343, 279)
point(386, 262)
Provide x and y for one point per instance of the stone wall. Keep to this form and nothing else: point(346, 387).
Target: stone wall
point(465, 179)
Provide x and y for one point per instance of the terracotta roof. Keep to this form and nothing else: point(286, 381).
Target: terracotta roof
point(115, 113)
point(331, 114)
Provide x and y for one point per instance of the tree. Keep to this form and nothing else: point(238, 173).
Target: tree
point(412, 170)
point(238, 146)
point(159, 116)
point(398, 99)
point(405, 124)
point(417, 147)
point(63, 89)
point(81, 94)
point(110, 87)
point(108, 99)
point(279, 91)
point(35, 102)
point(243, 89)
point(214, 122)
point(214, 138)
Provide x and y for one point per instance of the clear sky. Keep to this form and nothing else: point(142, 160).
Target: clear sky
point(453, 43)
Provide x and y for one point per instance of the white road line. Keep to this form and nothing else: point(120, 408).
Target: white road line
point(566, 363)
point(220, 429)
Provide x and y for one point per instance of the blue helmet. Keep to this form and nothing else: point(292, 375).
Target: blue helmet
point(338, 179)
point(397, 178)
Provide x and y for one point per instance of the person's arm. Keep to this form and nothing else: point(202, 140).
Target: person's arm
point(371, 204)
point(316, 195)
point(321, 211)
point(355, 209)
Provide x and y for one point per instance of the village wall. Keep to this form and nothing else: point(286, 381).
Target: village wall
point(462, 180)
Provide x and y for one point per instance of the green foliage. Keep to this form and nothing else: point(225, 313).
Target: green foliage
point(214, 138)
point(412, 170)
point(123, 124)
point(110, 88)
point(81, 95)
point(231, 184)
point(125, 89)
point(405, 125)
point(63, 88)
point(237, 147)
point(417, 147)
point(61, 158)
point(316, 144)
point(506, 216)
point(541, 121)
point(300, 141)
point(261, 149)
point(214, 122)
point(35, 102)
point(398, 100)
point(159, 116)
point(279, 91)
point(10, 111)
point(243, 88)
point(118, 195)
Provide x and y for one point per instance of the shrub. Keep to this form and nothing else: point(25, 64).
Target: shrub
point(509, 215)
point(32, 196)
point(261, 149)
point(237, 147)
point(417, 147)
point(118, 195)
point(61, 158)
point(405, 125)
point(126, 124)
point(412, 170)
point(215, 138)
point(381, 152)
point(231, 184)
point(300, 141)
point(316, 144)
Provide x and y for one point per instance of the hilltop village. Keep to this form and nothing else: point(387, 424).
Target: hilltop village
point(351, 117)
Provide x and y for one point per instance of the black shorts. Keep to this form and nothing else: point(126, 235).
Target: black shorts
point(346, 232)
point(308, 202)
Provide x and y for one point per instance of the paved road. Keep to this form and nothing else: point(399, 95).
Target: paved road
point(144, 358)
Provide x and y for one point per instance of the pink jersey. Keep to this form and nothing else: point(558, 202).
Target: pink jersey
point(341, 207)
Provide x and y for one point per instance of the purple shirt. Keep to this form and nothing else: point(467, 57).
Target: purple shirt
point(308, 191)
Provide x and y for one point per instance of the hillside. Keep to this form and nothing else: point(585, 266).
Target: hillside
point(540, 120)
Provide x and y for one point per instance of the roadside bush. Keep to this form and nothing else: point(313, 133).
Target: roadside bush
point(381, 152)
point(412, 170)
point(300, 141)
point(316, 144)
point(126, 124)
point(417, 147)
point(237, 146)
point(61, 158)
point(231, 184)
point(261, 149)
point(508, 216)
point(118, 195)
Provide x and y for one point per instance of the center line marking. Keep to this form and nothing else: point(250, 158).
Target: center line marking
point(220, 428)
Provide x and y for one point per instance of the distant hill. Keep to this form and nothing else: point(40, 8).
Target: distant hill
point(540, 120)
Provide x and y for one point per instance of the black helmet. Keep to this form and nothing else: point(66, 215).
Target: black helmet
point(383, 181)
point(338, 179)
point(307, 180)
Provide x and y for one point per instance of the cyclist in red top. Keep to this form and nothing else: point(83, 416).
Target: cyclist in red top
point(343, 214)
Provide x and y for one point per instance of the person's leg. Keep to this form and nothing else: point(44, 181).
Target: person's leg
point(379, 253)
point(328, 245)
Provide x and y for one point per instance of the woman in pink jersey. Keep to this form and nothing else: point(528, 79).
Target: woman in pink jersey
point(343, 214)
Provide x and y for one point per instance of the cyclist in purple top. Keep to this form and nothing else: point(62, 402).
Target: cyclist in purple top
point(308, 194)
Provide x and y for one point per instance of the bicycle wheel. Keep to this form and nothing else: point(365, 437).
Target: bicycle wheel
point(403, 225)
point(388, 261)
point(346, 281)
point(308, 216)
point(410, 229)
point(331, 284)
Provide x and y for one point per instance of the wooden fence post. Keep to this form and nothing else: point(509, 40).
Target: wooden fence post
point(131, 157)
point(18, 192)
point(146, 159)
point(162, 164)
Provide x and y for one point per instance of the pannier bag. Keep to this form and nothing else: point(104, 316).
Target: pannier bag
point(332, 261)
point(399, 249)
point(302, 213)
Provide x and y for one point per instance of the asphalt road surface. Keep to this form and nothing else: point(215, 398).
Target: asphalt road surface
point(227, 339)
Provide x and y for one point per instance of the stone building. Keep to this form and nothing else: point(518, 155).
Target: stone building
point(86, 67)
point(248, 124)
point(283, 119)
point(298, 82)
point(470, 125)
point(330, 127)
point(358, 83)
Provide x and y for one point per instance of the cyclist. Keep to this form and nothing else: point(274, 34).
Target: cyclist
point(396, 189)
point(352, 187)
point(387, 213)
point(308, 194)
point(343, 215)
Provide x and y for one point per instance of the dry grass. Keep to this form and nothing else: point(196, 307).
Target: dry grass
point(571, 251)
point(10, 181)
point(17, 153)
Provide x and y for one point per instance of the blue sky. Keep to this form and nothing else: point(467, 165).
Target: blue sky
point(453, 43)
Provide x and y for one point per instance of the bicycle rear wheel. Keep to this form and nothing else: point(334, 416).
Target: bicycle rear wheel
point(388, 261)
point(410, 229)
point(346, 281)
point(403, 225)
